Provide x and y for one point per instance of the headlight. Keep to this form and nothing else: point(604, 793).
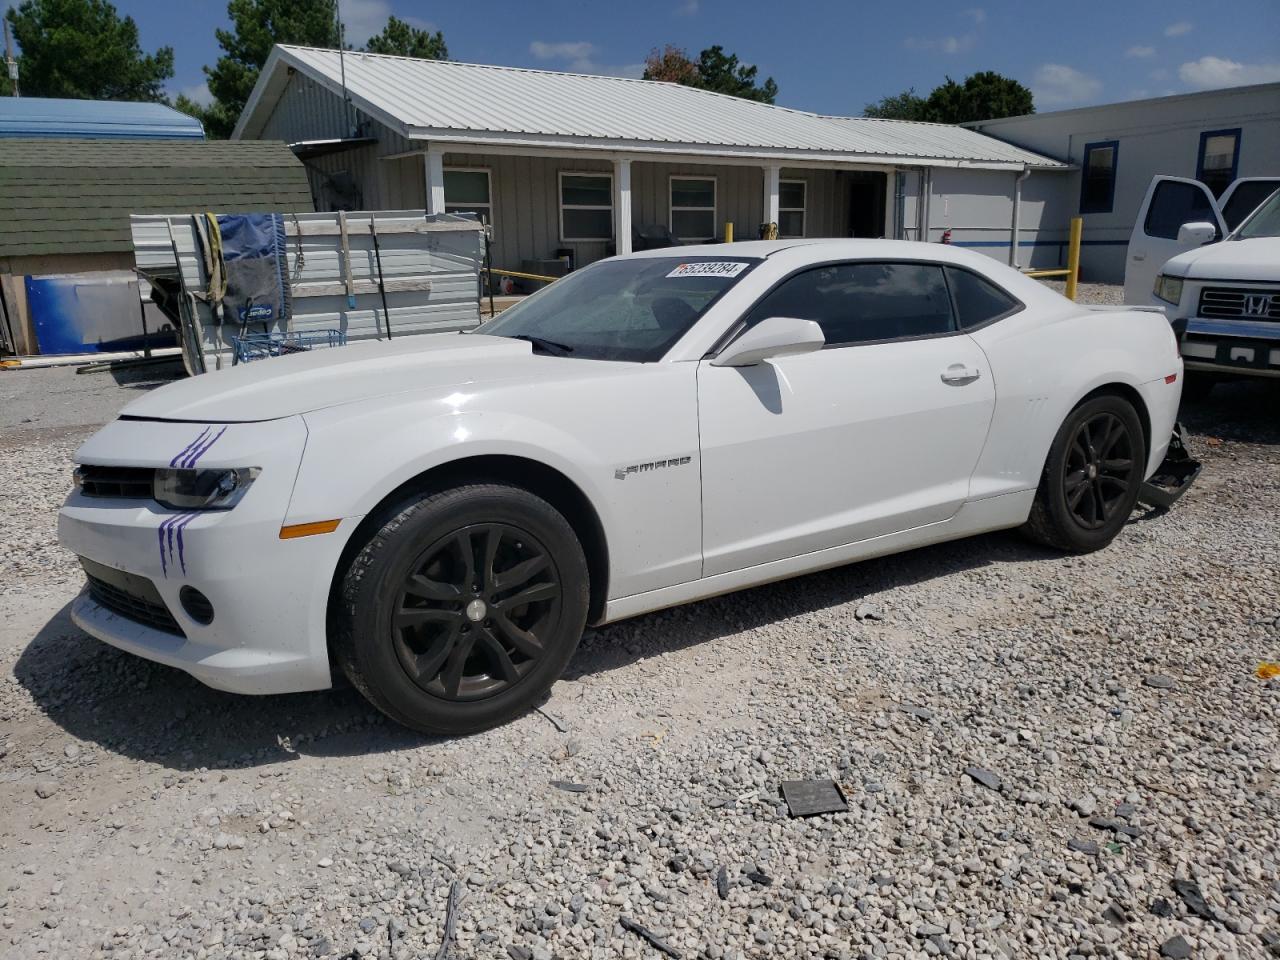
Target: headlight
point(203, 489)
point(1168, 289)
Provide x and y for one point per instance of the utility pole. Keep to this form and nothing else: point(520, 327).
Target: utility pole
point(9, 58)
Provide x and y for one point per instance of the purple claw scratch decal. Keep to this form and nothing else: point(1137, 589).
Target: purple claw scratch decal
point(172, 527)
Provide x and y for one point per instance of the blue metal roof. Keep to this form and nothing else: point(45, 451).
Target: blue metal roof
point(98, 119)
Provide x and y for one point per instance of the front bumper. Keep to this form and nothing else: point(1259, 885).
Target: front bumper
point(1239, 347)
point(269, 596)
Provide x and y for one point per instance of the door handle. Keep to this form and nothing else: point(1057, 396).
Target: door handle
point(957, 375)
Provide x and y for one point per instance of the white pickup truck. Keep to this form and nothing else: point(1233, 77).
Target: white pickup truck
point(1214, 266)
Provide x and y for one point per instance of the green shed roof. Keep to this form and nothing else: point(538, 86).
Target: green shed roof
point(75, 196)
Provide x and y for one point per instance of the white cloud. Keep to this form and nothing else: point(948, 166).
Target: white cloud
point(1210, 72)
point(950, 44)
point(687, 8)
point(1140, 51)
point(199, 92)
point(1178, 29)
point(563, 50)
point(977, 14)
point(1055, 85)
point(580, 57)
point(362, 19)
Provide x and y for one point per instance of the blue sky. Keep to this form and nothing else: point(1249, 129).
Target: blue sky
point(827, 56)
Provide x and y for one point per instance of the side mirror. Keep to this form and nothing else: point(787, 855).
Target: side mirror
point(1197, 234)
point(775, 337)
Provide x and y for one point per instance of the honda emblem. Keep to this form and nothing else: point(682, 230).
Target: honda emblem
point(1257, 306)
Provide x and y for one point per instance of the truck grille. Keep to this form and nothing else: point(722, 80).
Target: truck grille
point(1239, 303)
point(129, 595)
point(130, 482)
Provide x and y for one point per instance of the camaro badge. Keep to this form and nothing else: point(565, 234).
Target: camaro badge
point(623, 472)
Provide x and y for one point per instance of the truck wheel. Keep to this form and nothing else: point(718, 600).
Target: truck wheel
point(1091, 478)
point(462, 609)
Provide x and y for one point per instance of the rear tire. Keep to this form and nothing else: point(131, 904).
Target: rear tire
point(1091, 478)
point(462, 609)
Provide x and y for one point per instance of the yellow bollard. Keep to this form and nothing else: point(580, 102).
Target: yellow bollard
point(1073, 256)
point(728, 231)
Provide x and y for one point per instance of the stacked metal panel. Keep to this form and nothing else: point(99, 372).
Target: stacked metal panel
point(430, 272)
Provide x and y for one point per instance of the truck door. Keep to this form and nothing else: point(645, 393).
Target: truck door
point(1244, 196)
point(1170, 202)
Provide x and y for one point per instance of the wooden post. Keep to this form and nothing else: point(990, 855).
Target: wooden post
point(1073, 256)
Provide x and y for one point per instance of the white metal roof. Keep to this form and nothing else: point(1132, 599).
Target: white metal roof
point(446, 101)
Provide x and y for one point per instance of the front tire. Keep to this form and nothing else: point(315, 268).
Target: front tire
point(462, 609)
point(1091, 478)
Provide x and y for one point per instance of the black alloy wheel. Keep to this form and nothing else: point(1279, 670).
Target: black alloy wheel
point(472, 615)
point(1097, 470)
point(1092, 476)
point(459, 608)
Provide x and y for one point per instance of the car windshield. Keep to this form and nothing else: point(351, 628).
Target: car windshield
point(1264, 222)
point(633, 309)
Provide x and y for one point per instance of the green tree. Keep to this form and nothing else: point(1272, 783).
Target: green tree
point(904, 106)
point(405, 40)
point(982, 96)
point(256, 26)
point(714, 70)
point(83, 49)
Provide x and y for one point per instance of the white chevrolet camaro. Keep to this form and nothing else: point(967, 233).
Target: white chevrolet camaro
point(438, 517)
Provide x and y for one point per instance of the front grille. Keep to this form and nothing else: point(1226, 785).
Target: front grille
point(131, 482)
point(1239, 303)
point(129, 595)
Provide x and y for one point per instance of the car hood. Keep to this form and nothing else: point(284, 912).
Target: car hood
point(1255, 259)
point(286, 386)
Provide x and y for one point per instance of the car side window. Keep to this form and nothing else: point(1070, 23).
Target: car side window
point(863, 302)
point(1174, 204)
point(977, 300)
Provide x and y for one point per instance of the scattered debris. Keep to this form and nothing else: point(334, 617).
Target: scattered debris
point(519, 953)
point(1115, 913)
point(869, 611)
point(1086, 806)
point(760, 878)
point(569, 786)
point(984, 777)
point(920, 713)
point(1190, 894)
point(1158, 681)
point(450, 921)
point(554, 722)
point(1175, 948)
point(644, 933)
point(1115, 826)
point(1267, 670)
point(1161, 907)
point(1088, 847)
point(808, 798)
point(46, 789)
point(722, 883)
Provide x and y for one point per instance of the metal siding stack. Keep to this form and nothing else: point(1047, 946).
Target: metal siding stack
point(430, 269)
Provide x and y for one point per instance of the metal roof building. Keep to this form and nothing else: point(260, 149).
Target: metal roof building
point(98, 119)
point(576, 166)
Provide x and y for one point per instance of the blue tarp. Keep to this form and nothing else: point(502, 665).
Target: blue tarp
point(253, 257)
point(45, 117)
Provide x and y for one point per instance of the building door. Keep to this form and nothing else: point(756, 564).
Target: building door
point(866, 203)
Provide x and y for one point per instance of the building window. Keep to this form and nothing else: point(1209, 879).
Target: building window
point(1219, 157)
point(791, 198)
point(693, 207)
point(1098, 179)
point(468, 190)
point(586, 206)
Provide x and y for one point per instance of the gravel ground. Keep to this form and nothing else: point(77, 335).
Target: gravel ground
point(1044, 756)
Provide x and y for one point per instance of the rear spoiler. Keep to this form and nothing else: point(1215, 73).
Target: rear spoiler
point(1116, 308)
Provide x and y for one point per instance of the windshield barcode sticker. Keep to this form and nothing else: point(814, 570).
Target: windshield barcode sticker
point(709, 268)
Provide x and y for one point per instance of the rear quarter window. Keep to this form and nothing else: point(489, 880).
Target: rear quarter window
point(978, 301)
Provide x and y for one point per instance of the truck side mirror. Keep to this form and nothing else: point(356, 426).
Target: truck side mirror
point(1197, 234)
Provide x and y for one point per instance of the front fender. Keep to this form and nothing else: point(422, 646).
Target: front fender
point(357, 454)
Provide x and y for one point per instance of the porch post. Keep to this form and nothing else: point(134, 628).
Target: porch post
point(771, 176)
point(622, 206)
point(434, 163)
